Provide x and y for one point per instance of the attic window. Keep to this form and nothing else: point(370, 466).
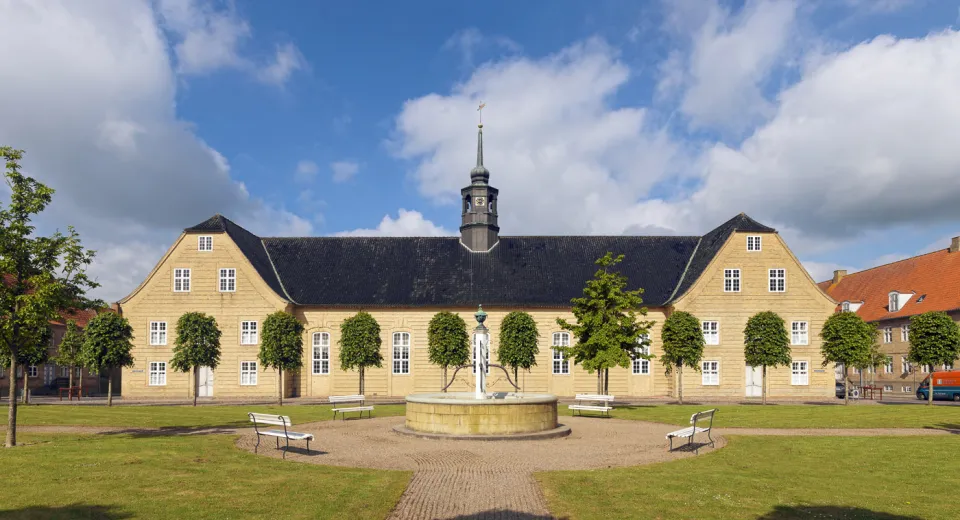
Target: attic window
point(894, 301)
point(753, 243)
point(920, 299)
point(205, 243)
point(845, 306)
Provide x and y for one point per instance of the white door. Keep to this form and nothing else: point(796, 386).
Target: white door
point(754, 381)
point(49, 374)
point(206, 382)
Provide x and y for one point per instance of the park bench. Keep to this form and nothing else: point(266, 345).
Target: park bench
point(71, 391)
point(350, 403)
point(278, 420)
point(689, 432)
point(603, 407)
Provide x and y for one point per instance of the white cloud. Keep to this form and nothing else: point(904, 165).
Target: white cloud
point(407, 224)
point(470, 41)
point(288, 60)
point(129, 173)
point(344, 170)
point(306, 171)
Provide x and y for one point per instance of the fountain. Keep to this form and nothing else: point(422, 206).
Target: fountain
point(481, 415)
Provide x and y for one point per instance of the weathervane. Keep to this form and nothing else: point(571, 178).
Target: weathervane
point(480, 109)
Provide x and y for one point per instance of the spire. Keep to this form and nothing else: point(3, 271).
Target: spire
point(479, 174)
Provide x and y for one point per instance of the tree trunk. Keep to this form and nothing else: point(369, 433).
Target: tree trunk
point(196, 385)
point(26, 385)
point(280, 401)
point(930, 389)
point(606, 381)
point(516, 376)
point(109, 392)
point(70, 383)
point(763, 385)
point(12, 413)
point(443, 384)
point(361, 380)
point(80, 384)
point(846, 383)
point(599, 381)
point(680, 385)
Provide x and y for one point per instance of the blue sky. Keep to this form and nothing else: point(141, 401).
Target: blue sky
point(833, 121)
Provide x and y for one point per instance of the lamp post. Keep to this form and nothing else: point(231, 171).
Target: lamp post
point(481, 346)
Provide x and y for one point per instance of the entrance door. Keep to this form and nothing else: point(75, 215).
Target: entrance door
point(49, 375)
point(754, 381)
point(206, 382)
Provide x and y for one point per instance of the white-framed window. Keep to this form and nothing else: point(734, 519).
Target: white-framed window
point(158, 373)
point(560, 364)
point(799, 335)
point(321, 353)
point(711, 332)
point(778, 280)
point(907, 366)
point(181, 279)
point(906, 389)
point(926, 369)
point(248, 373)
point(64, 371)
point(905, 333)
point(888, 367)
point(711, 373)
point(753, 243)
point(856, 371)
point(228, 280)
point(32, 371)
point(78, 371)
point(158, 333)
point(249, 333)
point(845, 306)
point(401, 352)
point(799, 373)
point(948, 366)
point(205, 243)
point(888, 388)
point(888, 335)
point(641, 366)
point(731, 280)
point(893, 303)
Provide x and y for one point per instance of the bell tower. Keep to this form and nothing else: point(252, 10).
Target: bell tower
point(479, 231)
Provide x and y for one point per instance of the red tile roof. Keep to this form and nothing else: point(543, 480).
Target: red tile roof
point(936, 276)
point(80, 317)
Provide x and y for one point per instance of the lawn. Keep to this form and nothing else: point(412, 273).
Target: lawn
point(199, 476)
point(773, 478)
point(799, 416)
point(176, 416)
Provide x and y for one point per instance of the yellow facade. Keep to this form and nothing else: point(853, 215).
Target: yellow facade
point(252, 300)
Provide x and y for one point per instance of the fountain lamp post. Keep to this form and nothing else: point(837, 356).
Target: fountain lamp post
point(481, 346)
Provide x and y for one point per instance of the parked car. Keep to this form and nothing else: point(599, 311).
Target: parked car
point(839, 389)
point(946, 386)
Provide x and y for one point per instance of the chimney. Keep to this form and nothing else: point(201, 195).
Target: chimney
point(955, 245)
point(838, 275)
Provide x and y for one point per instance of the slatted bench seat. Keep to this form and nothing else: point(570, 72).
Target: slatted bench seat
point(259, 419)
point(602, 406)
point(350, 403)
point(697, 421)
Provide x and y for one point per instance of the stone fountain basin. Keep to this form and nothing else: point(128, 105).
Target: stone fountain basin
point(461, 413)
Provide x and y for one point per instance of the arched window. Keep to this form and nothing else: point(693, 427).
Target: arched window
point(466, 204)
point(894, 303)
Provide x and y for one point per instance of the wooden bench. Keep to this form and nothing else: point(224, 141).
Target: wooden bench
point(689, 432)
point(278, 420)
point(354, 403)
point(603, 406)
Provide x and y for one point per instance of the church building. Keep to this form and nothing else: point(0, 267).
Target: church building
point(723, 277)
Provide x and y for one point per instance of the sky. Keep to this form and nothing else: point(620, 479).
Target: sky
point(834, 121)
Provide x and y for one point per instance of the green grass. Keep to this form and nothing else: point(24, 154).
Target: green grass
point(199, 476)
point(774, 478)
point(799, 416)
point(177, 416)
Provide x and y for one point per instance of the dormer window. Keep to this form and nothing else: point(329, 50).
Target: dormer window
point(894, 303)
point(845, 306)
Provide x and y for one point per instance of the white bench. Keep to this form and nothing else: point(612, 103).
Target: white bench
point(278, 420)
point(354, 403)
point(689, 432)
point(604, 403)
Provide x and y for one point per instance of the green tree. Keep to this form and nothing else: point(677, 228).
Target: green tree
point(518, 342)
point(874, 361)
point(934, 340)
point(360, 344)
point(197, 345)
point(41, 275)
point(68, 353)
point(683, 343)
point(449, 344)
point(607, 328)
point(107, 345)
point(35, 353)
point(281, 345)
point(765, 344)
point(847, 340)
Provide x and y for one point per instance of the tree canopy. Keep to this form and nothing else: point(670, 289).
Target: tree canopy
point(107, 345)
point(682, 338)
point(360, 344)
point(519, 338)
point(197, 345)
point(766, 344)
point(934, 340)
point(68, 352)
point(607, 326)
point(448, 341)
point(847, 340)
point(281, 344)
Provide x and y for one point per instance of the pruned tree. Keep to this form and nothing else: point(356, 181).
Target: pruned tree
point(519, 338)
point(874, 361)
point(68, 352)
point(197, 345)
point(766, 344)
point(683, 343)
point(608, 327)
point(448, 341)
point(107, 345)
point(40, 276)
point(848, 340)
point(934, 340)
point(281, 345)
point(360, 344)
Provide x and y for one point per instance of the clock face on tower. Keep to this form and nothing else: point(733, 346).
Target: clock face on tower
point(479, 201)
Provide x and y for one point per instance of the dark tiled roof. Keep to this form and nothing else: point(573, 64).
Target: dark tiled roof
point(250, 245)
point(710, 245)
point(546, 271)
